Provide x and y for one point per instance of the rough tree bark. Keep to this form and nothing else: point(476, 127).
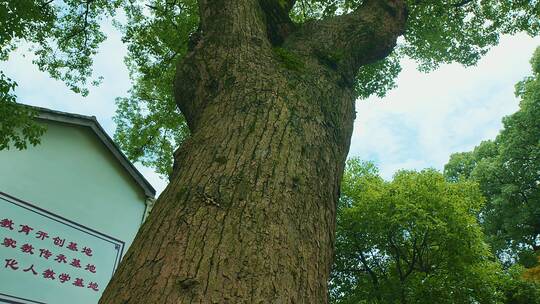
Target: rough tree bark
point(249, 214)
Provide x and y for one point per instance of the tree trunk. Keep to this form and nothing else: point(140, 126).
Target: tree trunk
point(249, 214)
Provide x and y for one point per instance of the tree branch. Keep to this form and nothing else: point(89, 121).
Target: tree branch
point(397, 258)
point(462, 3)
point(413, 259)
point(44, 4)
point(371, 273)
point(376, 262)
point(352, 40)
point(85, 26)
point(78, 29)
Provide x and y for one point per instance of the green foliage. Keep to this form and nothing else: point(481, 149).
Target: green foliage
point(464, 30)
point(379, 77)
point(149, 125)
point(149, 135)
point(533, 273)
point(30, 20)
point(459, 166)
point(17, 126)
point(508, 171)
point(516, 290)
point(438, 32)
point(64, 35)
point(414, 239)
point(18, 20)
point(67, 53)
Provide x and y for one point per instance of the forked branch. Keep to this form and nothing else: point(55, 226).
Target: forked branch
point(352, 40)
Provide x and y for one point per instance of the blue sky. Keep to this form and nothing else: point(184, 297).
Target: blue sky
point(429, 116)
point(418, 125)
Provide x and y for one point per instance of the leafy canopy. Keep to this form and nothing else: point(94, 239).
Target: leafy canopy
point(414, 239)
point(65, 35)
point(508, 171)
point(518, 288)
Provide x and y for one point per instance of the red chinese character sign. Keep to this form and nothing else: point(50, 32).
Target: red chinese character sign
point(45, 258)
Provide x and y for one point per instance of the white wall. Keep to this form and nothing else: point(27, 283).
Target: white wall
point(71, 174)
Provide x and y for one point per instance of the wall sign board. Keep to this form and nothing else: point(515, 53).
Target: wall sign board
point(45, 258)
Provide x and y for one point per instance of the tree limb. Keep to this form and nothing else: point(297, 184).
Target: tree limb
point(352, 40)
point(44, 4)
point(371, 273)
point(462, 3)
point(397, 258)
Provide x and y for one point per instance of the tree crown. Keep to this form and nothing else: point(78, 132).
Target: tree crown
point(507, 169)
point(410, 239)
point(66, 34)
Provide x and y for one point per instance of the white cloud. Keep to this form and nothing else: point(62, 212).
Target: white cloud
point(430, 116)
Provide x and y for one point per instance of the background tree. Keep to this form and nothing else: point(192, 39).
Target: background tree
point(414, 239)
point(508, 171)
point(267, 90)
point(517, 288)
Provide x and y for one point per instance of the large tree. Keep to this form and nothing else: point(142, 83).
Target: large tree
point(508, 171)
point(414, 239)
point(267, 91)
